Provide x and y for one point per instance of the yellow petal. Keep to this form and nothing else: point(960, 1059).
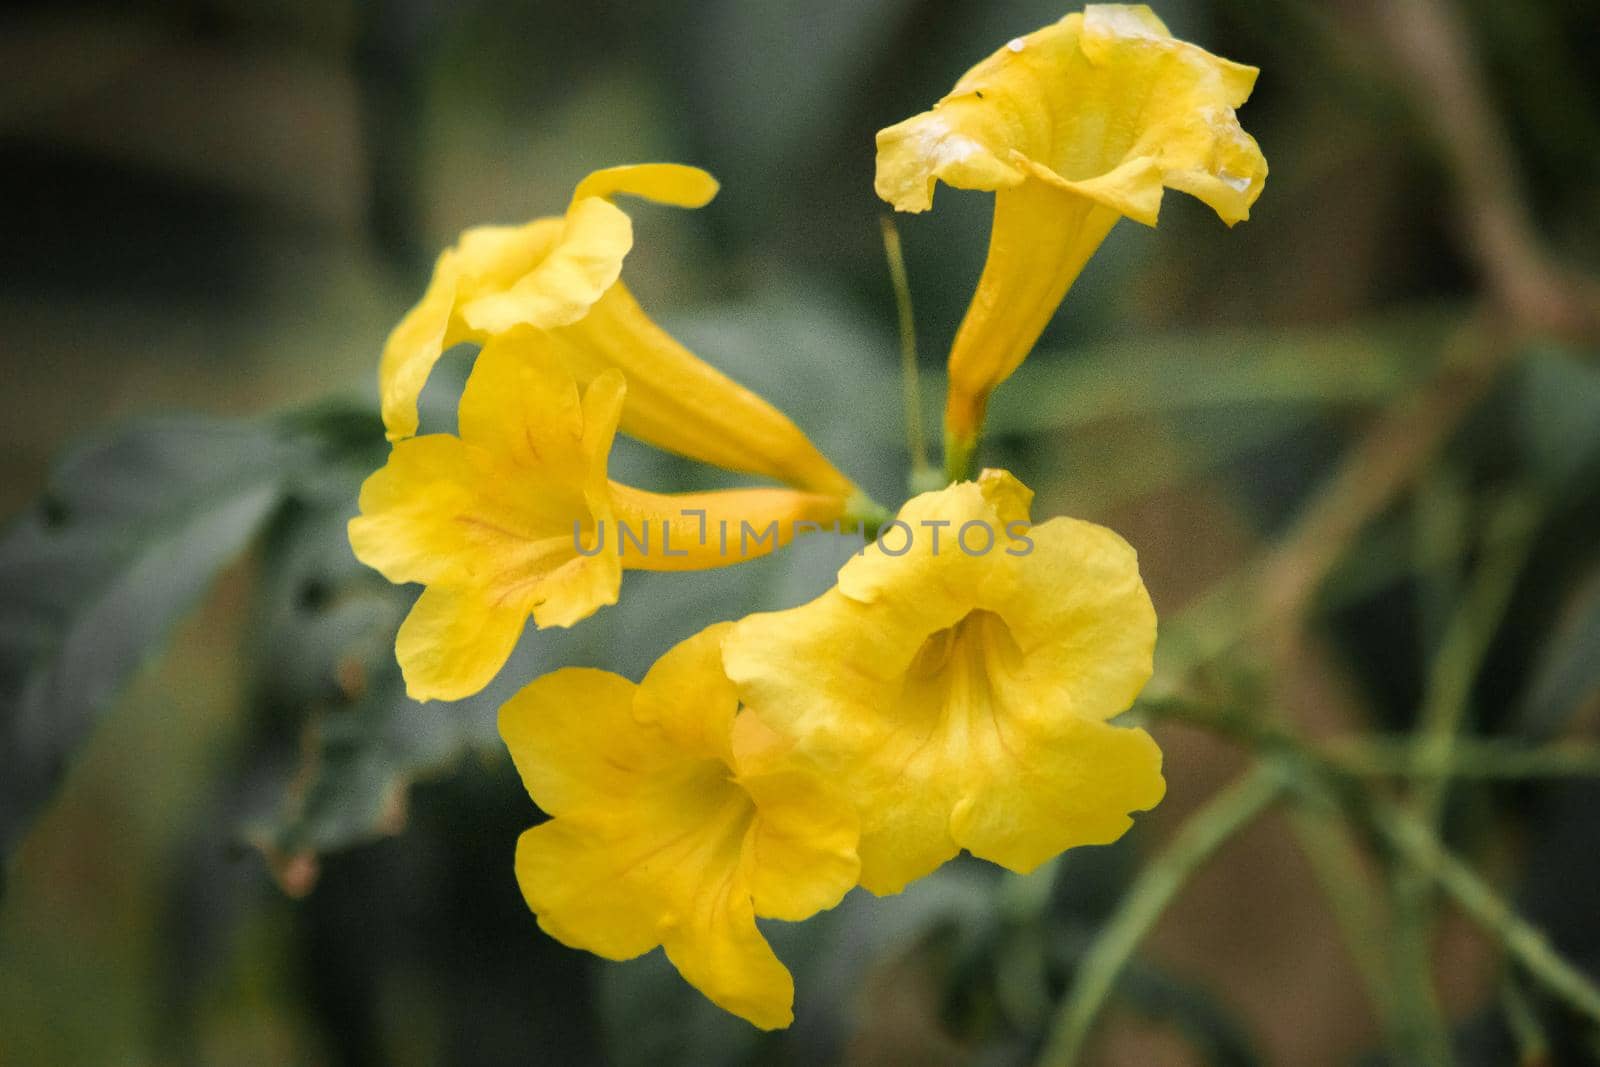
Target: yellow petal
point(442, 511)
point(525, 408)
point(572, 592)
point(497, 511)
point(485, 259)
point(1034, 793)
point(407, 529)
point(917, 558)
point(501, 520)
point(598, 883)
point(1085, 615)
point(573, 887)
point(827, 676)
point(572, 736)
point(687, 696)
point(1073, 126)
point(603, 401)
point(658, 837)
point(940, 544)
point(413, 347)
point(665, 183)
point(647, 837)
point(454, 642)
point(1191, 129)
point(668, 857)
point(1075, 102)
point(803, 844)
point(492, 258)
point(547, 272)
point(575, 590)
point(961, 698)
point(566, 282)
point(717, 948)
point(1005, 494)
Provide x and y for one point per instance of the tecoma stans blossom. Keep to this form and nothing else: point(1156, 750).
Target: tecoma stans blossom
point(956, 688)
point(516, 517)
point(962, 698)
point(677, 818)
point(551, 289)
point(1072, 127)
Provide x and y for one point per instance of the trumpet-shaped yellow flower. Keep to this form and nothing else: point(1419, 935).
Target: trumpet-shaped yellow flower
point(516, 517)
point(676, 819)
point(960, 690)
point(551, 287)
point(1072, 127)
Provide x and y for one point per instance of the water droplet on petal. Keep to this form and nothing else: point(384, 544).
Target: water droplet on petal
point(1016, 44)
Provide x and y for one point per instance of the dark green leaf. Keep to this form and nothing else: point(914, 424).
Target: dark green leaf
point(130, 531)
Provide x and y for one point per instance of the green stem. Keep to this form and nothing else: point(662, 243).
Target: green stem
point(1414, 840)
point(1454, 670)
point(1422, 1035)
point(1533, 1048)
point(1207, 831)
point(1521, 940)
point(1378, 757)
point(1386, 757)
point(864, 512)
point(1336, 863)
point(923, 476)
point(958, 453)
point(1466, 641)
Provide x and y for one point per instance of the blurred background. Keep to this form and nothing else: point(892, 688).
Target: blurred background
point(1356, 441)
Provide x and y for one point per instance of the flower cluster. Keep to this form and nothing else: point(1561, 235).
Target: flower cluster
point(931, 700)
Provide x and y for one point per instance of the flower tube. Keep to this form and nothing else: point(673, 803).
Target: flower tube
point(551, 288)
point(1071, 127)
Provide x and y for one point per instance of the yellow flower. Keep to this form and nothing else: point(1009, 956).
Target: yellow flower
point(516, 517)
point(550, 288)
point(1072, 127)
point(960, 689)
point(676, 819)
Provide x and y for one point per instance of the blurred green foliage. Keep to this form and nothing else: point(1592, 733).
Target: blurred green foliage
point(222, 205)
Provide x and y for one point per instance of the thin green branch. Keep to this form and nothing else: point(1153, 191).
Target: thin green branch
point(1466, 642)
point(923, 476)
point(1533, 1047)
point(1325, 782)
point(1336, 862)
point(1454, 670)
point(1476, 758)
point(1224, 816)
point(1421, 1033)
point(1521, 940)
point(1441, 525)
point(1379, 756)
point(958, 455)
